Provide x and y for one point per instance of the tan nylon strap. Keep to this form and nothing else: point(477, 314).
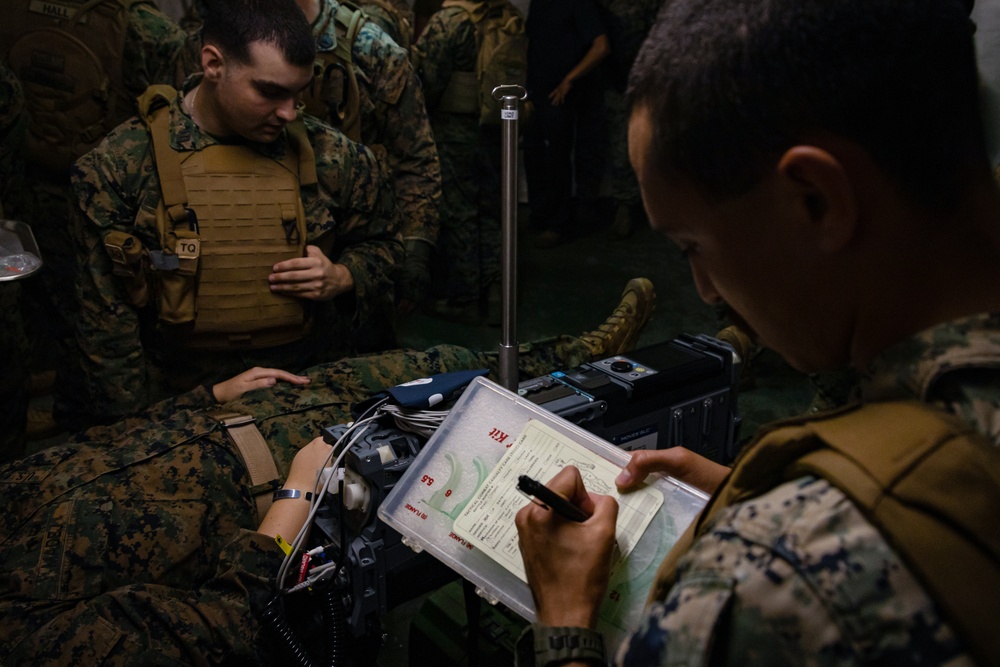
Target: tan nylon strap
point(349, 111)
point(299, 142)
point(354, 26)
point(154, 105)
point(256, 455)
point(930, 485)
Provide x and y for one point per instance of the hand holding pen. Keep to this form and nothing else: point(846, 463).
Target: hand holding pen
point(550, 499)
point(568, 563)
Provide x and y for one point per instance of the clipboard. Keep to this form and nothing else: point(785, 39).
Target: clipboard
point(457, 459)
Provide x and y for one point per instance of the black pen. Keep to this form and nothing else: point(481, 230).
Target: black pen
point(551, 499)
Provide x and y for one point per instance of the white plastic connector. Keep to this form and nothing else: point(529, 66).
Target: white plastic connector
point(357, 496)
point(335, 484)
point(385, 454)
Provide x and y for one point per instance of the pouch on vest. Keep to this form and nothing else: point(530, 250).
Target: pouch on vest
point(68, 56)
point(333, 95)
point(128, 258)
point(177, 270)
point(928, 483)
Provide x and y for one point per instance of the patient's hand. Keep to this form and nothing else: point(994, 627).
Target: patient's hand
point(255, 378)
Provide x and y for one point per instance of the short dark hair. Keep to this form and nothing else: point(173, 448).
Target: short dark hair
point(233, 25)
point(732, 84)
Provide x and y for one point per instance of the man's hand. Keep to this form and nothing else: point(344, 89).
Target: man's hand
point(680, 463)
point(312, 277)
point(559, 93)
point(568, 563)
point(255, 378)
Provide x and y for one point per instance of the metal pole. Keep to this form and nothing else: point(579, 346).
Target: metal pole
point(510, 98)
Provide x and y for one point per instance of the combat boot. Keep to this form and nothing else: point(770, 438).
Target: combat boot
point(619, 332)
point(745, 349)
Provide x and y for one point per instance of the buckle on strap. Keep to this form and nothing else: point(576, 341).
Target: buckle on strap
point(242, 431)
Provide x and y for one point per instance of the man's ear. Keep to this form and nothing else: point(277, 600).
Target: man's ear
point(825, 193)
point(212, 62)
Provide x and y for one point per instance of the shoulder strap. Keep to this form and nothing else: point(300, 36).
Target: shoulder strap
point(932, 486)
point(154, 107)
point(298, 139)
point(929, 483)
point(349, 19)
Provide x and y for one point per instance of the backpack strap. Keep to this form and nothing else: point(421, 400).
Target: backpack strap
point(334, 95)
point(929, 483)
point(351, 18)
point(298, 140)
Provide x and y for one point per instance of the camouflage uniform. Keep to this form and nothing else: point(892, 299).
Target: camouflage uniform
point(423, 10)
point(393, 116)
point(135, 543)
point(470, 162)
point(13, 338)
point(153, 53)
point(797, 576)
point(118, 188)
point(396, 20)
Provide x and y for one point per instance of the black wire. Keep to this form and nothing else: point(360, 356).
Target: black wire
point(341, 559)
point(273, 618)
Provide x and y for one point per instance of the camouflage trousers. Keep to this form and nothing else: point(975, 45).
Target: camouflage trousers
point(469, 243)
point(134, 543)
point(623, 184)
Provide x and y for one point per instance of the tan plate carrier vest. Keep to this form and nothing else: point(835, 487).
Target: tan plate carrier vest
point(68, 57)
point(334, 96)
point(929, 483)
point(226, 216)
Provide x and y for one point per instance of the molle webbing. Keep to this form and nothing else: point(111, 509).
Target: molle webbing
point(928, 483)
point(227, 215)
point(249, 218)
